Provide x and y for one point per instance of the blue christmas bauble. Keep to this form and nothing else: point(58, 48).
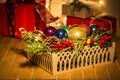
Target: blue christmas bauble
point(61, 33)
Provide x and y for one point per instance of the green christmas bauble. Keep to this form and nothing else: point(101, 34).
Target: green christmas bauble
point(76, 33)
point(66, 28)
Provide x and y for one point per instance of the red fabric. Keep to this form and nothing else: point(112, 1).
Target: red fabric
point(101, 23)
point(3, 23)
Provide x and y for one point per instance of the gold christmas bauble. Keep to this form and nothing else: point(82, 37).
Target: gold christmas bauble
point(38, 35)
point(76, 33)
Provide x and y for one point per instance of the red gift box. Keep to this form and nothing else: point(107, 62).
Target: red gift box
point(108, 23)
point(3, 22)
point(24, 16)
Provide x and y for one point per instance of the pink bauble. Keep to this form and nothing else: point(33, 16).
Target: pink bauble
point(49, 31)
point(85, 27)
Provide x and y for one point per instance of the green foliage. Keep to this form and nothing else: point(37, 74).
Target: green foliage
point(79, 45)
point(37, 47)
point(34, 46)
point(77, 6)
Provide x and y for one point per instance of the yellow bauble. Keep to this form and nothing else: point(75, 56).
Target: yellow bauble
point(76, 33)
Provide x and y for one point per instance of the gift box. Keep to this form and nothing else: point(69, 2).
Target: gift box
point(25, 16)
point(3, 22)
point(68, 10)
point(108, 23)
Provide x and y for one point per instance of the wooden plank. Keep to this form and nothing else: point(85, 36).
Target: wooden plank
point(26, 70)
point(101, 72)
point(114, 71)
point(118, 64)
point(17, 60)
point(4, 62)
point(2, 40)
point(4, 48)
point(76, 75)
point(49, 76)
point(89, 73)
point(38, 73)
point(5, 45)
point(64, 76)
point(117, 49)
point(14, 70)
point(8, 59)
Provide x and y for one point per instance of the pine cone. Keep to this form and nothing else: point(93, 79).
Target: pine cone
point(51, 40)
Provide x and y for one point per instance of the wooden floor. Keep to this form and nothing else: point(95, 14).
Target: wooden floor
point(14, 65)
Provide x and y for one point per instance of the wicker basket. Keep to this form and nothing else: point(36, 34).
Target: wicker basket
point(66, 61)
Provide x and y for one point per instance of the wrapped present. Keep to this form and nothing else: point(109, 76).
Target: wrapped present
point(23, 16)
point(28, 18)
point(68, 10)
point(82, 9)
point(3, 22)
point(108, 23)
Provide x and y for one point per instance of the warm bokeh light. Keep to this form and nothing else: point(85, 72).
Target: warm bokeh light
point(101, 2)
point(64, 20)
point(47, 4)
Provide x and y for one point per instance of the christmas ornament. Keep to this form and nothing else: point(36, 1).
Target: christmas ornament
point(93, 28)
point(89, 41)
point(38, 35)
point(66, 28)
point(76, 33)
point(85, 27)
point(61, 33)
point(49, 31)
